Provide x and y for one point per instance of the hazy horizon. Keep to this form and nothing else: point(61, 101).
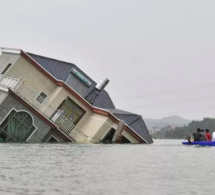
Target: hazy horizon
point(158, 55)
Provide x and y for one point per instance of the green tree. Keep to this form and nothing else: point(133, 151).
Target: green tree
point(183, 132)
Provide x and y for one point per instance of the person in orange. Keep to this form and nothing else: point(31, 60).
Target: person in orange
point(208, 135)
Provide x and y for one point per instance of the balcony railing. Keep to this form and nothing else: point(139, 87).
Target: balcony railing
point(25, 92)
point(40, 104)
point(9, 82)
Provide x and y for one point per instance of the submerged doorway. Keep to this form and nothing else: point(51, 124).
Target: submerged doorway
point(109, 136)
point(16, 127)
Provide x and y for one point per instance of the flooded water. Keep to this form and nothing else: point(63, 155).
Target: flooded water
point(165, 167)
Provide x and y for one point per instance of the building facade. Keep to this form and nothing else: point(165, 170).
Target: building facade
point(59, 103)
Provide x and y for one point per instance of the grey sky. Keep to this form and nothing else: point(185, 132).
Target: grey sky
point(158, 54)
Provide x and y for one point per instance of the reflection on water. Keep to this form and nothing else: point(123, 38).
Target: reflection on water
point(165, 167)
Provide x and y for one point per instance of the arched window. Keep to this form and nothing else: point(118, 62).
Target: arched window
point(16, 127)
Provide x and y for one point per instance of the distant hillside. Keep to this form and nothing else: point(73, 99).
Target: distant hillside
point(175, 121)
point(183, 132)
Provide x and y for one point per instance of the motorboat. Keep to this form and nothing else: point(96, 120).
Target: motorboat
point(200, 143)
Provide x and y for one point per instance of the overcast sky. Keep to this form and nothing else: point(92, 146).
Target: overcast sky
point(158, 54)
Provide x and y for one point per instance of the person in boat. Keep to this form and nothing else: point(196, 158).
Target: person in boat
point(189, 138)
point(197, 136)
point(213, 136)
point(203, 138)
point(208, 135)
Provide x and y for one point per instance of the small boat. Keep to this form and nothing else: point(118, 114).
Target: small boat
point(200, 143)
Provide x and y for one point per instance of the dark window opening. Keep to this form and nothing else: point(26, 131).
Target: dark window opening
point(7, 67)
point(40, 98)
point(52, 139)
point(124, 140)
point(108, 138)
point(3, 137)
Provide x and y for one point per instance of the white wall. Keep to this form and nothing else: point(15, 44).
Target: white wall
point(3, 95)
point(6, 59)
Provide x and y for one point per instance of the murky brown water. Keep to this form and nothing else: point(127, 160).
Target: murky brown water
point(165, 167)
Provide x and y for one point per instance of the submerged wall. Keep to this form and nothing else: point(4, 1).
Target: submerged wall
point(42, 129)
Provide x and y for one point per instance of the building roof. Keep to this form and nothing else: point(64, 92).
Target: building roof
point(134, 121)
point(59, 69)
point(62, 71)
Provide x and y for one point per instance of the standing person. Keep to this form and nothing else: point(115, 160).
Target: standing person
point(208, 135)
point(197, 135)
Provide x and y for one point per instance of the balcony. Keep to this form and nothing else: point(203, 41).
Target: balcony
point(20, 88)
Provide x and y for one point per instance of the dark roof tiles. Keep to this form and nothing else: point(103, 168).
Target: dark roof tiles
point(135, 121)
point(60, 70)
point(103, 101)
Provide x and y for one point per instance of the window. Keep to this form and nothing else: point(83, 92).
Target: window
point(68, 115)
point(17, 127)
point(7, 67)
point(71, 111)
point(40, 98)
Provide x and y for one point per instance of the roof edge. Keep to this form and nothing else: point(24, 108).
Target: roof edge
point(10, 50)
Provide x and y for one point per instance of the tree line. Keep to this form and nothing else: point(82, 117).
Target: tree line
point(183, 132)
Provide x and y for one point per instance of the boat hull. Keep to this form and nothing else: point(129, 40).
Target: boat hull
point(200, 143)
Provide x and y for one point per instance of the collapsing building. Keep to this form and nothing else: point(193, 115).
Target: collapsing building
point(47, 100)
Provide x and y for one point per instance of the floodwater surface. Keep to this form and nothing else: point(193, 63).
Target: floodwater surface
point(165, 167)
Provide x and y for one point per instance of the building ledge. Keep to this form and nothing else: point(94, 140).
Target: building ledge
point(5, 89)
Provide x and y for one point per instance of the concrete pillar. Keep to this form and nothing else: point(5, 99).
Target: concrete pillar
point(118, 133)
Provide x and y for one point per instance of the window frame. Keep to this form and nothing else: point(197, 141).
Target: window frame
point(39, 96)
point(21, 122)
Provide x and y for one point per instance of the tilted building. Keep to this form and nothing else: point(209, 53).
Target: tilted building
point(44, 99)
